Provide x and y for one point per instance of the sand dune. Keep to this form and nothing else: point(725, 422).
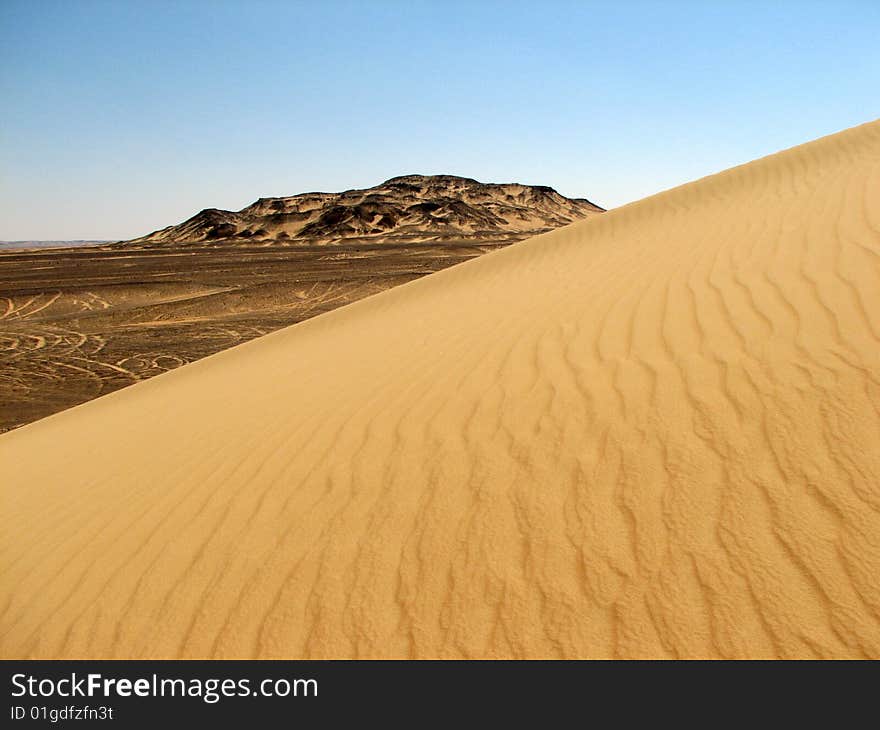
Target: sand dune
point(655, 433)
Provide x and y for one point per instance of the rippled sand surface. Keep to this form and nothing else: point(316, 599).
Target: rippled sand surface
point(655, 433)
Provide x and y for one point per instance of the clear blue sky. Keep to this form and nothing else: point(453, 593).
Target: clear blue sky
point(122, 117)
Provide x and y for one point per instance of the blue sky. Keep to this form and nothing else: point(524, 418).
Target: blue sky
point(123, 117)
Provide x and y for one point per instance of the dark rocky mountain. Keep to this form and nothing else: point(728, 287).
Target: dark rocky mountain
point(410, 208)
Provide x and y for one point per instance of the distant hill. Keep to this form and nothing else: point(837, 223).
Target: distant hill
point(410, 208)
point(48, 244)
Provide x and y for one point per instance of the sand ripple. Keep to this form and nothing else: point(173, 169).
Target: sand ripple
point(651, 434)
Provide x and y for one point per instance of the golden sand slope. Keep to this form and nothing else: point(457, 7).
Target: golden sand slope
point(656, 433)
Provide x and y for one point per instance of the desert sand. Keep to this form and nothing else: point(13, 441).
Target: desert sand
point(654, 433)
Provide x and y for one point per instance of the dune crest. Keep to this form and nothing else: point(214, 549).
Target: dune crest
point(651, 434)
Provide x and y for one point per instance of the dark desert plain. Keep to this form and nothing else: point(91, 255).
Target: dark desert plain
point(79, 323)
